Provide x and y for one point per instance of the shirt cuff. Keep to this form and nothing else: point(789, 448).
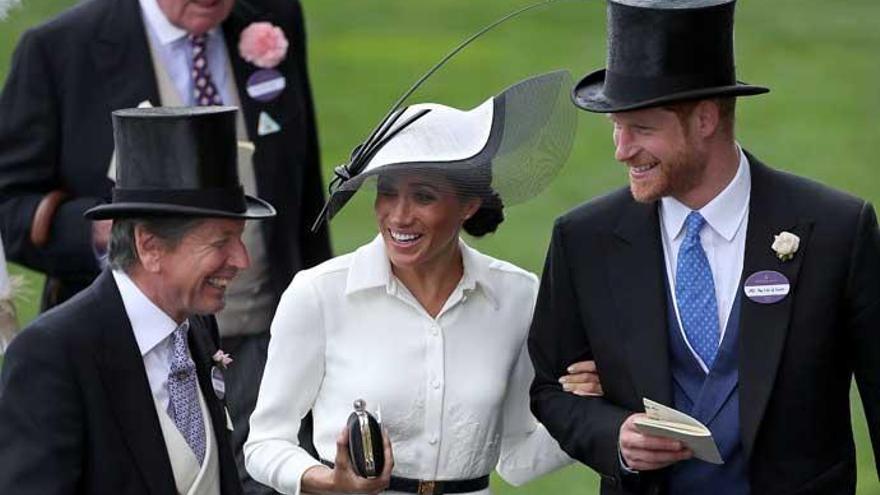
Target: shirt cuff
point(626, 469)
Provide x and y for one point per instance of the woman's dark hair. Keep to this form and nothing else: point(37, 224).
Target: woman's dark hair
point(476, 183)
point(488, 216)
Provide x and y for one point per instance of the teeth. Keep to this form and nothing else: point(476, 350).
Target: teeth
point(219, 282)
point(643, 168)
point(402, 237)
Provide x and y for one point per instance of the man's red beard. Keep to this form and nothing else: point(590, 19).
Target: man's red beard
point(674, 177)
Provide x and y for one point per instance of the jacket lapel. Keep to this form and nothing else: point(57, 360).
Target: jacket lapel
point(637, 277)
point(128, 391)
point(244, 14)
point(122, 57)
point(763, 327)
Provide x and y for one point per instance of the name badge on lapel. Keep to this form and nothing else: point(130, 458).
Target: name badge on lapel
point(218, 382)
point(265, 85)
point(767, 287)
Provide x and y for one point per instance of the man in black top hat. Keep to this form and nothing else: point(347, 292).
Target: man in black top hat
point(740, 295)
point(120, 389)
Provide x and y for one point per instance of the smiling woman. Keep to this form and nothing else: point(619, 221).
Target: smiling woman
point(417, 298)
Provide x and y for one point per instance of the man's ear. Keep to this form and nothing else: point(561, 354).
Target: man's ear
point(707, 118)
point(149, 249)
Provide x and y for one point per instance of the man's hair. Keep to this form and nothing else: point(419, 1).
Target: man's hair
point(123, 248)
point(726, 112)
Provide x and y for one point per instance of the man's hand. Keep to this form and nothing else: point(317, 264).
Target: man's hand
point(583, 379)
point(643, 452)
point(342, 478)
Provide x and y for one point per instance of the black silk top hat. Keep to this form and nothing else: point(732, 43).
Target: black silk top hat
point(663, 51)
point(178, 162)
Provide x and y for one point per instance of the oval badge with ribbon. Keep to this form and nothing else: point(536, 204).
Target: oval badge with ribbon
point(767, 287)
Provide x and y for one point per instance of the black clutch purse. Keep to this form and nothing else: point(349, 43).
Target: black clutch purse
point(365, 442)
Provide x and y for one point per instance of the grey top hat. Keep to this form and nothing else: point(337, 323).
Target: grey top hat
point(662, 51)
point(178, 162)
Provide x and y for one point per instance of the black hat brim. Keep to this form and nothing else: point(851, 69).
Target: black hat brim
point(256, 209)
point(588, 95)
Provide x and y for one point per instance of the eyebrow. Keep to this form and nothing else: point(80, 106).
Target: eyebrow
point(425, 185)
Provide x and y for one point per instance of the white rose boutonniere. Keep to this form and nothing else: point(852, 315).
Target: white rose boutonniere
point(785, 244)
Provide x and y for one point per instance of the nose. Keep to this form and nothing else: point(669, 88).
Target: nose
point(400, 211)
point(624, 147)
point(238, 255)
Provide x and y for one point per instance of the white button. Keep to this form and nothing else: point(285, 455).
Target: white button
point(433, 440)
point(436, 384)
point(435, 330)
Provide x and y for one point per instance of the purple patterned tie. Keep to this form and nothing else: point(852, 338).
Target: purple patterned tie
point(183, 404)
point(204, 91)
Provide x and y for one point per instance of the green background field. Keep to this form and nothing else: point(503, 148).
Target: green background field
point(820, 120)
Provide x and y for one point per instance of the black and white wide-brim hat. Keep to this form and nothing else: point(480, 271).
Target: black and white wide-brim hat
point(178, 162)
point(664, 51)
point(513, 144)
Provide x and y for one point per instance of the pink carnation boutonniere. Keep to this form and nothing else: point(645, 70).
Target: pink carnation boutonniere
point(222, 359)
point(263, 45)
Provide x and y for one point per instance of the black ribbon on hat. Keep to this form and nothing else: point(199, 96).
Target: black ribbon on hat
point(226, 199)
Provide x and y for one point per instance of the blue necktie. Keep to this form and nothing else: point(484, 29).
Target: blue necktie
point(183, 405)
point(695, 292)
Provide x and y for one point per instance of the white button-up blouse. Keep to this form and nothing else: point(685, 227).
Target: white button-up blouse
point(453, 390)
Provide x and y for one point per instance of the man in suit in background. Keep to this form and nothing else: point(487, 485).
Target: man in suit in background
point(743, 296)
point(56, 144)
point(120, 389)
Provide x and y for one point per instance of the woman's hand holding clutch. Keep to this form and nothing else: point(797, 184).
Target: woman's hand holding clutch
point(342, 478)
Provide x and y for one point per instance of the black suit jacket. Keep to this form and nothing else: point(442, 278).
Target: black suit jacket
point(602, 296)
point(76, 411)
point(66, 78)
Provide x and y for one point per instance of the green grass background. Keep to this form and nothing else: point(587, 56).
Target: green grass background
point(820, 120)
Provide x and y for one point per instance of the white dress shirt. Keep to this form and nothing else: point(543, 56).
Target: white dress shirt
point(152, 329)
point(723, 239)
point(175, 51)
point(453, 390)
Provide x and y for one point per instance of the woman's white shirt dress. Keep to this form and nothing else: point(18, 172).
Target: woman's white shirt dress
point(453, 390)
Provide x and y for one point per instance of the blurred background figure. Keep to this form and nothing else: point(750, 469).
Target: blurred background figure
point(56, 144)
point(6, 6)
point(8, 321)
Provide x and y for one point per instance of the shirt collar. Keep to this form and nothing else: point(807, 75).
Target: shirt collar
point(724, 213)
point(370, 268)
point(165, 32)
point(150, 324)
